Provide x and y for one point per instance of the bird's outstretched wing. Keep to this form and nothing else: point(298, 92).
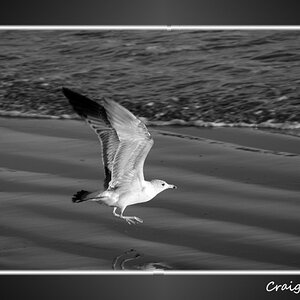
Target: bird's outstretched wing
point(125, 139)
point(95, 116)
point(135, 144)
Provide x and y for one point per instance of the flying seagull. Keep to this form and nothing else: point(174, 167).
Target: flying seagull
point(126, 143)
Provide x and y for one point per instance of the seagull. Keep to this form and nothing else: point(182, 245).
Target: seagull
point(125, 142)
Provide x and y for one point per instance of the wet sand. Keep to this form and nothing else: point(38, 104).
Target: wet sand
point(237, 205)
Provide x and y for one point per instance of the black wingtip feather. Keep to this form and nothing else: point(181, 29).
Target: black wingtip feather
point(76, 98)
point(79, 196)
point(71, 95)
point(84, 106)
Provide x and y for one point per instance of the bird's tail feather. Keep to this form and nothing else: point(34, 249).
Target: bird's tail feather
point(81, 196)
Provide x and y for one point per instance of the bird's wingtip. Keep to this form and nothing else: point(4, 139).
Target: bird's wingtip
point(67, 92)
point(72, 96)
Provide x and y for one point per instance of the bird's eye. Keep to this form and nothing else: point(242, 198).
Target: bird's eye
point(163, 184)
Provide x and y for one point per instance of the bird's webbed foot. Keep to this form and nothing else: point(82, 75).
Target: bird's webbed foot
point(129, 219)
point(132, 220)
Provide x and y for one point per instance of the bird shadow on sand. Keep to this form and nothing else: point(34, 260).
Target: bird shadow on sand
point(134, 260)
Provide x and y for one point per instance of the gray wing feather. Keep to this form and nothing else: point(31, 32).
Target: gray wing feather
point(125, 139)
point(95, 115)
point(129, 169)
point(135, 144)
point(109, 141)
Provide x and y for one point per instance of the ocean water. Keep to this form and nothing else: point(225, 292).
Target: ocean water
point(200, 78)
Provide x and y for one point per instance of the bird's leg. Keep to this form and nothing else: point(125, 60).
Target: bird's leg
point(130, 219)
point(114, 212)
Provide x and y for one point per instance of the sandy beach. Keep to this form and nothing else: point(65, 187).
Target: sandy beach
point(237, 205)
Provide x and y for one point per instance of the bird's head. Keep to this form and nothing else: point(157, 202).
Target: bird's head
point(162, 185)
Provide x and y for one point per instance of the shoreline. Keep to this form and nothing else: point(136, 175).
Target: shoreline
point(256, 138)
point(287, 128)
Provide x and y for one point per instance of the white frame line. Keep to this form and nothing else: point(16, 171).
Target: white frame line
point(160, 27)
point(163, 27)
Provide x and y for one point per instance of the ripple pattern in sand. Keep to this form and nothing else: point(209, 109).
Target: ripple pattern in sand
point(234, 209)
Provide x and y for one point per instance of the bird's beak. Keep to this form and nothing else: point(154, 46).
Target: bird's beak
point(172, 186)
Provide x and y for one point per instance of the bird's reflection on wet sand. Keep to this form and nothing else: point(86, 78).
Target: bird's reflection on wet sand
point(134, 260)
